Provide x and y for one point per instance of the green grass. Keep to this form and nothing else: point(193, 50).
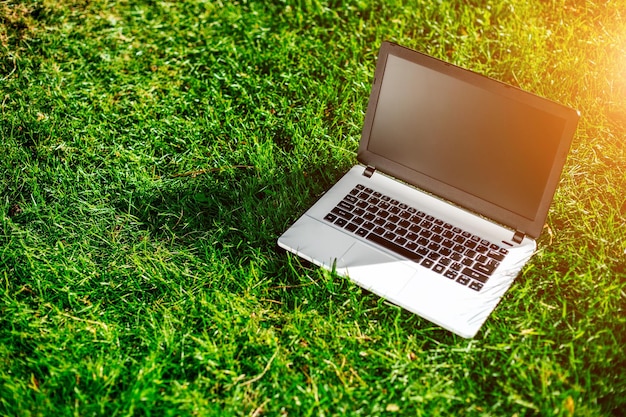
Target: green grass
point(153, 151)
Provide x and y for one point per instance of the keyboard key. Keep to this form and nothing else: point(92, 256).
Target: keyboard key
point(463, 280)
point(475, 285)
point(330, 217)
point(484, 269)
point(475, 275)
point(393, 247)
point(342, 213)
point(450, 274)
point(427, 263)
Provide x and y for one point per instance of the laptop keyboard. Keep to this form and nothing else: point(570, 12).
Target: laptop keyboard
point(434, 244)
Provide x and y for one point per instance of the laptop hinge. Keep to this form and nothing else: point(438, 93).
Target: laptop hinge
point(369, 171)
point(518, 237)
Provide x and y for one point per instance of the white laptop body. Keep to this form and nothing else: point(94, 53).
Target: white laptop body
point(465, 152)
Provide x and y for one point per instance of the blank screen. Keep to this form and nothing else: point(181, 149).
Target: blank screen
point(493, 147)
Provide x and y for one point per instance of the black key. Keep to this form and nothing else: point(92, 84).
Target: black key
point(456, 266)
point(351, 227)
point(355, 191)
point(426, 224)
point(383, 213)
point(330, 217)
point(447, 243)
point(427, 263)
point(439, 268)
point(433, 246)
point(415, 228)
point(439, 222)
point(422, 251)
point(401, 231)
point(437, 229)
point(459, 239)
point(383, 205)
point(459, 248)
point(342, 213)
point(463, 280)
point(470, 244)
point(448, 234)
point(394, 219)
point(437, 238)
point(400, 240)
point(485, 269)
point(450, 274)
point(341, 222)
point(368, 225)
point(389, 236)
point(445, 261)
point(426, 233)
point(358, 220)
point(412, 246)
point(404, 224)
point(456, 256)
point(481, 259)
point(380, 221)
point(405, 215)
point(430, 218)
point(359, 186)
point(351, 199)
point(358, 211)
point(422, 241)
point(411, 236)
point(445, 252)
point(393, 247)
point(434, 256)
point(377, 194)
point(394, 210)
point(482, 249)
point(362, 232)
point(467, 261)
point(368, 190)
point(379, 230)
point(477, 286)
point(475, 275)
point(390, 226)
point(470, 253)
point(496, 255)
point(369, 216)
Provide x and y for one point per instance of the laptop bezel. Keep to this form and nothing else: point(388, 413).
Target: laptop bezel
point(514, 221)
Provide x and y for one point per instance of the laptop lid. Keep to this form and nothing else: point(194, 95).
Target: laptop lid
point(484, 145)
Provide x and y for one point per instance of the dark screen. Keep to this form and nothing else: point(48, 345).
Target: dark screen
point(493, 147)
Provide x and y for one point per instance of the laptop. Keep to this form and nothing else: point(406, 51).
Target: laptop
point(455, 176)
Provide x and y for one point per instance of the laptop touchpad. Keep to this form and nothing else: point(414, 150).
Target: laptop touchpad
point(374, 270)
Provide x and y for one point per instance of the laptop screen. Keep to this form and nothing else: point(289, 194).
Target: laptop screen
point(455, 136)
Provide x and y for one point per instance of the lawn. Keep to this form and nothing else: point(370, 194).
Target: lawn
point(152, 152)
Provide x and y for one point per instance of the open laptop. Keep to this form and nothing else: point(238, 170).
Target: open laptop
point(455, 178)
